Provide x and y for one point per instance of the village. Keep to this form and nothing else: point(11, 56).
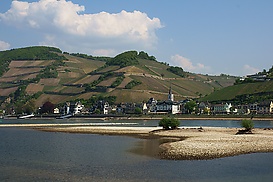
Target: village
point(168, 106)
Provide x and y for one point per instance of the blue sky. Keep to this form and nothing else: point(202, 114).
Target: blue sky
point(202, 36)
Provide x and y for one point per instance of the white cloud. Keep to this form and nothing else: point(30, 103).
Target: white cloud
point(4, 45)
point(187, 65)
point(65, 23)
point(248, 70)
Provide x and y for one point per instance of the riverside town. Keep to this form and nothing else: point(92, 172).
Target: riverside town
point(102, 108)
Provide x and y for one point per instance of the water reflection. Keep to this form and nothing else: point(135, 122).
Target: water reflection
point(151, 146)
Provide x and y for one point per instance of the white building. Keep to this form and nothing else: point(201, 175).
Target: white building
point(221, 108)
point(78, 108)
point(56, 111)
point(169, 106)
point(106, 108)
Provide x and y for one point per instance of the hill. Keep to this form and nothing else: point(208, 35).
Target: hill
point(246, 91)
point(41, 74)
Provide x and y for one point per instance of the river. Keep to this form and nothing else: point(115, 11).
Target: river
point(30, 155)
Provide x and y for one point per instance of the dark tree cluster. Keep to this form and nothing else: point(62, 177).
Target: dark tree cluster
point(176, 70)
point(124, 59)
point(144, 55)
point(47, 107)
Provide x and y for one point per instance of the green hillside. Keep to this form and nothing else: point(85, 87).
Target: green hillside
point(253, 88)
point(243, 93)
point(41, 74)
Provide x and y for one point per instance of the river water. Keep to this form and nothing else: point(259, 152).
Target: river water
point(30, 155)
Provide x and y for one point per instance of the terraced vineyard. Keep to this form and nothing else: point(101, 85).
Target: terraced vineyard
point(81, 77)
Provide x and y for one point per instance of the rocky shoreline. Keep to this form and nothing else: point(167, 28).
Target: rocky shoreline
point(214, 143)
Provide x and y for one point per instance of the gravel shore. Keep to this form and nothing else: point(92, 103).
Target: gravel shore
point(210, 143)
point(194, 143)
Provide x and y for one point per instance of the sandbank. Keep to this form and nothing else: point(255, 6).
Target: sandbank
point(211, 143)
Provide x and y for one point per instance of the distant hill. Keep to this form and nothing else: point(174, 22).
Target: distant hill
point(254, 88)
point(43, 74)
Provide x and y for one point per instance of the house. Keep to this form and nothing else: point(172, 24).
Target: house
point(204, 108)
point(77, 108)
point(221, 108)
point(243, 109)
point(144, 108)
point(120, 109)
point(151, 105)
point(130, 108)
point(106, 108)
point(265, 107)
point(56, 111)
point(253, 108)
point(258, 77)
point(102, 107)
point(73, 108)
point(168, 107)
point(66, 108)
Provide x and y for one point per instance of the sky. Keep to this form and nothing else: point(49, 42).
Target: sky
point(233, 37)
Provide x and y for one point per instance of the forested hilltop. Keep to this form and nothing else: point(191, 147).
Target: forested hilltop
point(28, 53)
point(31, 76)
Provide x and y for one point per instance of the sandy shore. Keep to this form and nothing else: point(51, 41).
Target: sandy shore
point(194, 143)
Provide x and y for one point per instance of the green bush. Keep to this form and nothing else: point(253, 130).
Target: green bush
point(132, 84)
point(118, 81)
point(169, 123)
point(247, 124)
point(138, 110)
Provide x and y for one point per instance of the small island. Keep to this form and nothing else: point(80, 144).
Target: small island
point(193, 143)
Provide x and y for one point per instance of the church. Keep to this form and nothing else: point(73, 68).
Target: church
point(168, 106)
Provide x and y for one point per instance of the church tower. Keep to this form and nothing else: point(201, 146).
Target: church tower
point(170, 96)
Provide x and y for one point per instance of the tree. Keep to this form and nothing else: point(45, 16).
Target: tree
point(18, 107)
point(169, 123)
point(190, 106)
point(206, 110)
point(47, 107)
point(29, 107)
point(124, 59)
point(176, 70)
point(138, 110)
point(97, 111)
